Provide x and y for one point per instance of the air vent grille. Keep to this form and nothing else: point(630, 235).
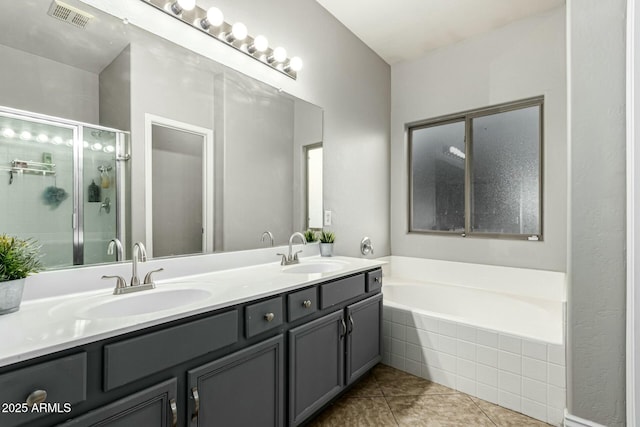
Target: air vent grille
point(69, 14)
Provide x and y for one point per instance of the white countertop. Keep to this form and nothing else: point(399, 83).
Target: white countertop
point(47, 325)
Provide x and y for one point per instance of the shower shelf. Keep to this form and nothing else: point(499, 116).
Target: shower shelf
point(28, 166)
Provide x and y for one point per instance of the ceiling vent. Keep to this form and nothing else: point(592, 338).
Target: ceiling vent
point(69, 14)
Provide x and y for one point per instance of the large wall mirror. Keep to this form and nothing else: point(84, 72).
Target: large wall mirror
point(110, 132)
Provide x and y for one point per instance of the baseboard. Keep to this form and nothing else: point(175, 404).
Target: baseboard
point(573, 421)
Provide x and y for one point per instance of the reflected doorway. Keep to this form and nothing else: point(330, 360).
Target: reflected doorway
point(314, 186)
point(179, 189)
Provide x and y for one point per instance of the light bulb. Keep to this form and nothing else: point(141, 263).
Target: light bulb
point(69, 142)
point(215, 16)
point(239, 31)
point(260, 44)
point(96, 147)
point(85, 144)
point(56, 140)
point(8, 133)
point(295, 64)
point(279, 54)
point(109, 149)
point(25, 136)
point(42, 138)
point(181, 5)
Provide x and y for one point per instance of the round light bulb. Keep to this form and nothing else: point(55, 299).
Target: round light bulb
point(109, 149)
point(215, 16)
point(96, 147)
point(260, 43)
point(239, 31)
point(8, 133)
point(187, 4)
point(56, 140)
point(69, 142)
point(295, 63)
point(279, 54)
point(85, 144)
point(42, 138)
point(25, 136)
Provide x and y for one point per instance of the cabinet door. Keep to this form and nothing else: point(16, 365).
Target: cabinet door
point(243, 389)
point(316, 365)
point(364, 339)
point(155, 406)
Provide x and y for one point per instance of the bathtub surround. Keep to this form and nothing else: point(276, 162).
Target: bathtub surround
point(479, 345)
point(596, 314)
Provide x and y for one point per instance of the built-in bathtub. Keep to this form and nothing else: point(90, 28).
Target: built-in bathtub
point(492, 332)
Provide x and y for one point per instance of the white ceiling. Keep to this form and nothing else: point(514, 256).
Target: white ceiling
point(407, 29)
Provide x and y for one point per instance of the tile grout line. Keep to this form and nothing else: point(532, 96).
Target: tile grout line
point(481, 410)
point(386, 401)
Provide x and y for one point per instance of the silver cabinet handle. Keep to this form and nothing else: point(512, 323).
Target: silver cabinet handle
point(269, 317)
point(377, 279)
point(174, 412)
point(306, 303)
point(196, 400)
point(351, 323)
point(37, 396)
point(344, 328)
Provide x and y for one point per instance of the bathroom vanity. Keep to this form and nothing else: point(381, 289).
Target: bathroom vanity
point(262, 358)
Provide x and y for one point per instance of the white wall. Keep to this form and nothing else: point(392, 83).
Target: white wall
point(521, 60)
point(38, 84)
point(596, 301)
point(341, 75)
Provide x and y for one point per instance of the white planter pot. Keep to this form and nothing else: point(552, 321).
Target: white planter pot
point(11, 295)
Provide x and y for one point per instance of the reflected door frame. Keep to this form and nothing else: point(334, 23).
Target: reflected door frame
point(207, 177)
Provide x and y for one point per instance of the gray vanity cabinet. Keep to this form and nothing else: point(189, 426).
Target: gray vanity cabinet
point(316, 365)
point(154, 406)
point(364, 337)
point(245, 388)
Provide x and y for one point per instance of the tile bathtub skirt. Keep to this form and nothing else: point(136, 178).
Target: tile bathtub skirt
point(518, 373)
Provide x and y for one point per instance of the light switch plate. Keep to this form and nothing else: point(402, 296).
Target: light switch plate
point(327, 218)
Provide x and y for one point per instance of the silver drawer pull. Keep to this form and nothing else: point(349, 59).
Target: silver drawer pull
point(306, 303)
point(174, 412)
point(196, 399)
point(269, 317)
point(377, 279)
point(37, 396)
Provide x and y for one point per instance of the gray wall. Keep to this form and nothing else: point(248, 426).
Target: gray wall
point(596, 302)
point(115, 92)
point(521, 60)
point(341, 75)
point(37, 84)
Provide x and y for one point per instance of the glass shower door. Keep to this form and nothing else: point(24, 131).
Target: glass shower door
point(37, 186)
point(100, 180)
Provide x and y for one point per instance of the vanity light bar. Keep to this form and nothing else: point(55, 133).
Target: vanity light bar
point(211, 22)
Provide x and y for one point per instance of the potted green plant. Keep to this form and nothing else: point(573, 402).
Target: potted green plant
point(326, 243)
point(310, 236)
point(18, 259)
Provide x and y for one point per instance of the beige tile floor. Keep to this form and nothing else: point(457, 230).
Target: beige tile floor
point(389, 397)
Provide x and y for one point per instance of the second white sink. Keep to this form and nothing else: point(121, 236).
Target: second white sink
point(142, 303)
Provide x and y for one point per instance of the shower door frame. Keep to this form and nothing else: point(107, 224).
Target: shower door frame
point(77, 214)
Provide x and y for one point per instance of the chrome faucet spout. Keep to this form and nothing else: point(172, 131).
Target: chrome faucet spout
point(269, 235)
point(293, 258)
point(139, 254)
point(115, 242)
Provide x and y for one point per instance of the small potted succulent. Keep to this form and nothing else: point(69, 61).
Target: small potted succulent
point(18, 259)
point(326, 243)
point(310, 236)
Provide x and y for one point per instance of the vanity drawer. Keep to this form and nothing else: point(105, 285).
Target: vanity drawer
point(135, 358)
point(263, 316)
point(341, 290)
point(302, 303)
point(374, 280)
point(64, 380)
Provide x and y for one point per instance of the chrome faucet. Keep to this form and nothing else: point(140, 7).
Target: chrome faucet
point(292, 258)
point(269, 235)
point(139, 253)
point(119, 249)
point(138, 248)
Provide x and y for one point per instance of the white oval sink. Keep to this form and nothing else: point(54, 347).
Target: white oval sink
point(145, 302)
point(315, 267)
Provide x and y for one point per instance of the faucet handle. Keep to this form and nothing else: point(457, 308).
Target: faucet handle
point(148, 279)
point(284, 259)
point(295, 256)
point(120, 282)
